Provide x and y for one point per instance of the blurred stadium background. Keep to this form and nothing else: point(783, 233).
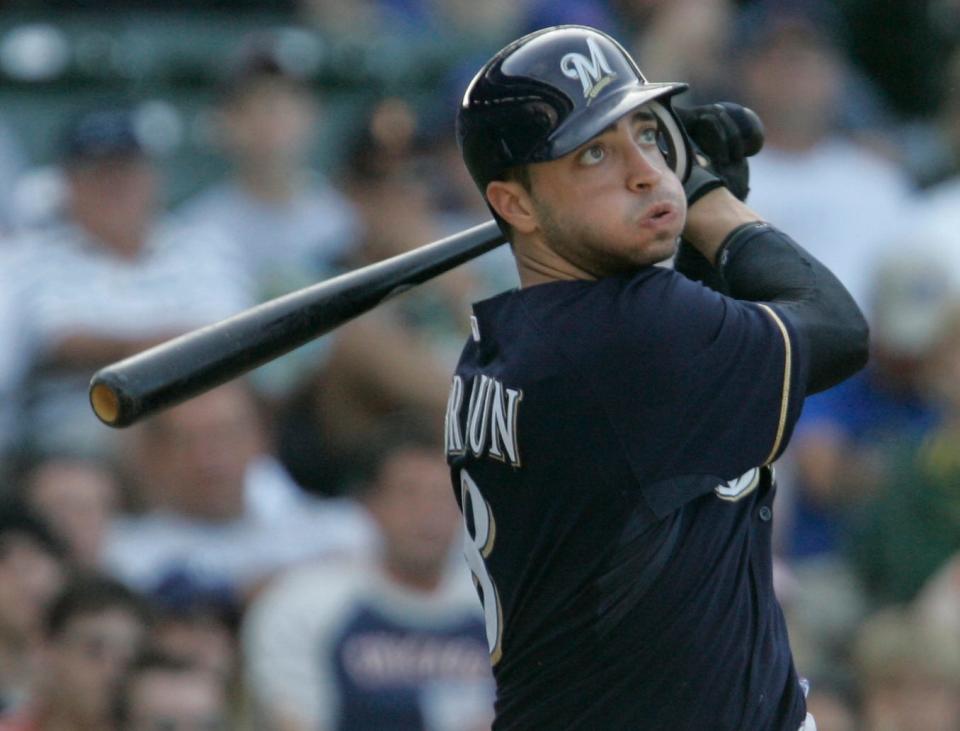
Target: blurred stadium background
point(252, 146)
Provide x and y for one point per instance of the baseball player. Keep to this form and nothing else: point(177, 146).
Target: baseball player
point(612, 425)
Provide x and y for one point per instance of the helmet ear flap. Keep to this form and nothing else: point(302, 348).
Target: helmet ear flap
point(679, 149)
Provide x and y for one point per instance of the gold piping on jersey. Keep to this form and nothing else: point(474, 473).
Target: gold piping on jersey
point(787, 367)
point(497, 653)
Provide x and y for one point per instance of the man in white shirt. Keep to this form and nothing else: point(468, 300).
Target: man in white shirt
point(290, 226)
point(111, 279)
point(838, 196)
point(394, 643)
point(223, 513)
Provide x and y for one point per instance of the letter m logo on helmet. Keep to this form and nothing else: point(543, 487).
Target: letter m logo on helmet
point(576, 65)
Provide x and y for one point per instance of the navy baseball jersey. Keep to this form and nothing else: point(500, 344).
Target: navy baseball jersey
point(609, 444)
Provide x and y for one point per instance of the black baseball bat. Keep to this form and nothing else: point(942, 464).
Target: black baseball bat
point(190, 364)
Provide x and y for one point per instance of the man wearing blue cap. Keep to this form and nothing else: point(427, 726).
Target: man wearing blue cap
point(109, 277)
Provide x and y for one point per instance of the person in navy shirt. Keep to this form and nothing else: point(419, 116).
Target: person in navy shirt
point(612, 425)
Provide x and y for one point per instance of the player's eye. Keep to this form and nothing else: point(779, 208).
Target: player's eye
point(649, 136)
point(592, 155)
point(663, 142)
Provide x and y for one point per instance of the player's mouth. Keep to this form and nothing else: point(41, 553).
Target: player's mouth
point(661, 214)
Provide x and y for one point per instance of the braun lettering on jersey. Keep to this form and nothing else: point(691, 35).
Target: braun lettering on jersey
point(491, 423)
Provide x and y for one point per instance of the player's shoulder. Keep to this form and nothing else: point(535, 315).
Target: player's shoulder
point(575, 298)
point(649, 305)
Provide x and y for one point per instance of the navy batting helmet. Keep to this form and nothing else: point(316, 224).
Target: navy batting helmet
point(549, 92)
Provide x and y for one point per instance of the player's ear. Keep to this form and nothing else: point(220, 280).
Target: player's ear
point(513, 204)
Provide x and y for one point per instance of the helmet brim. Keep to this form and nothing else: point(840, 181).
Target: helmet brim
point(588, 122)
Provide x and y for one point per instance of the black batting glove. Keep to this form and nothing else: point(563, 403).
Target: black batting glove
point(722, 136)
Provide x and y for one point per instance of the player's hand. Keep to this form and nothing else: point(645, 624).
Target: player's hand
point(723, 136)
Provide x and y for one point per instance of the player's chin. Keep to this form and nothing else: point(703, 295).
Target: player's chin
point(637, 259)
point(659, 248)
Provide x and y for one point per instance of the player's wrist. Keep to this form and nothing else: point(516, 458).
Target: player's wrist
point(712, 218)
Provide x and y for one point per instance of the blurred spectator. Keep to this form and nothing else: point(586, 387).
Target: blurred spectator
point(292, 228)
point(909, 673)
point(349, 19)
point(92, 630)
point(433, 21)
point(838, 199)
point(13, 363)
point(847, 442)
point(848, 206)
point(489, 22)
point(702, 28)
point(931, 144)
point(110, 280)
point(390, 182)
point(399, 356)
point(846, 438)
point(544, 13)
point(223, 514)
point(939, 600)
point(411, 186)
point(395, 644)
point(291, 224)
point(166, 693)
point(200, 628)
point(176, 6)
point(12, 166)
point(377, 364)
point(79, 497)
point(940, 213)
point(31, 574)
point(903, 45)
point(912, 528)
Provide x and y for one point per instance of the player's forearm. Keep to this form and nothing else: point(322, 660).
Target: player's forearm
point(759, 263)
point(712, 218)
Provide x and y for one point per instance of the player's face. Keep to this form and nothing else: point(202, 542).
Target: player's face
point(613, 204)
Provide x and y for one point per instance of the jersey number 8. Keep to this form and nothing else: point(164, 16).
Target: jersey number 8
point(481, 530)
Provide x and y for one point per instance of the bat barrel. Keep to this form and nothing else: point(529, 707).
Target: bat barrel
point(198, 361)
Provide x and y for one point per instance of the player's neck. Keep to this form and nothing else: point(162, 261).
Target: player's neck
point(538, 264)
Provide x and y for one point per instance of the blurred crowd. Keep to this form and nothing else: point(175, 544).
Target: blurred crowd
point(282, 553)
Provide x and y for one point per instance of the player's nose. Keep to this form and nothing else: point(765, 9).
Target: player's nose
point(642, 170)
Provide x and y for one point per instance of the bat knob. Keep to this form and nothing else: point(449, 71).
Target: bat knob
point(105, 403)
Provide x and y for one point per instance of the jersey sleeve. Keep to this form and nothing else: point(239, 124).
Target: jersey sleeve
point(692, 382)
